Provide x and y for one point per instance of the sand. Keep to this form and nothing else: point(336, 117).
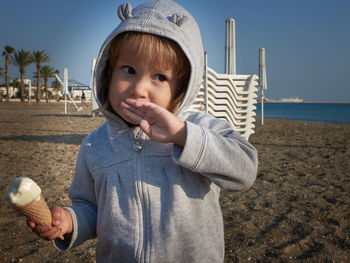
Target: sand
point(297, 211)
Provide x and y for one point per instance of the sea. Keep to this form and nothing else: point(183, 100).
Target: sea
point(308, 112)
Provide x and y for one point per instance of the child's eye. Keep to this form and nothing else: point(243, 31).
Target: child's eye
point(129, 70)
point(160, 78)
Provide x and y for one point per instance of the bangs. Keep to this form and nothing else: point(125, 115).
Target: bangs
point(151, 50)
point(154, 50)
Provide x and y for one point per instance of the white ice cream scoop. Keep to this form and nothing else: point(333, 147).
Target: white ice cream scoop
point(22, 191)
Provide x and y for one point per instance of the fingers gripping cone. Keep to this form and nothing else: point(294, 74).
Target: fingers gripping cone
point(26, 197)
point(39, 212)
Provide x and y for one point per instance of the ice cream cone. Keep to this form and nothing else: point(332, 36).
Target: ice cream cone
point(39, 212)
point(25, 196)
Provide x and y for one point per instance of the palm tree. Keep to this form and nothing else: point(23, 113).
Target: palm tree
point(47, 72)
point(39, 57)
point(22, 59)
point(15, 83)
point(56, 85)
point(8, 50)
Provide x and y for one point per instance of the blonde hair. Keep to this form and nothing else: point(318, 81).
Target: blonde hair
point(155, 50)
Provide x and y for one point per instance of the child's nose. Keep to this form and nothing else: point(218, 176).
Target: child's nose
point(139, 89)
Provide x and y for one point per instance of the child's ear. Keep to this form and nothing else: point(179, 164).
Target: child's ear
point(124, 11)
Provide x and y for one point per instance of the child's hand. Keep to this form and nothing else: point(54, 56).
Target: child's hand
point(158, 123)
point(61, 223)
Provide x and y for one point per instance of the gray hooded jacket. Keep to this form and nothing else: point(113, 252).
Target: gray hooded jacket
point(160, 204)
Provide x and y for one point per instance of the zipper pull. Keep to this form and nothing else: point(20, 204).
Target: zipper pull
point(137, 145)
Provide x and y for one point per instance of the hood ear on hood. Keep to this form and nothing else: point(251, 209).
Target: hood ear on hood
point(162, 18)
point(178, 19)
point(124, 11)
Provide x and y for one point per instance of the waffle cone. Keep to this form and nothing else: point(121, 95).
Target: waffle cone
point(39, 212)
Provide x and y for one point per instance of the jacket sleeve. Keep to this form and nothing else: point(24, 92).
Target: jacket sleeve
point(84, 206)
point(214, 149)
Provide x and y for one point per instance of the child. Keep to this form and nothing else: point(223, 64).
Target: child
point(147, 182)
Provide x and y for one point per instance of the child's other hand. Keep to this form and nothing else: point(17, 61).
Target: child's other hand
point(61, 223)
point(158, 123)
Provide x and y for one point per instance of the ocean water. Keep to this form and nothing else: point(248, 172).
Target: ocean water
point(310, 112)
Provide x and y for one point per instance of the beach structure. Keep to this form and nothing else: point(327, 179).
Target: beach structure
point(263, 81)
point(65, 91)
point(230, 47)
point(230, 97)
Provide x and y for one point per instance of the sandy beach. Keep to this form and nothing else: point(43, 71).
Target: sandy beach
point(297, 211)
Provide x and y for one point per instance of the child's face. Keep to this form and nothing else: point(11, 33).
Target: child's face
point(132, 77)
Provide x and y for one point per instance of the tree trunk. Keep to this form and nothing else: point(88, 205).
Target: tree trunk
point(7, 77)
point(38, 83)
point(56, 95)
point(22, 86)
point(47, 90)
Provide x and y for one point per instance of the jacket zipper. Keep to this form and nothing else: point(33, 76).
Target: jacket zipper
point(142, 253)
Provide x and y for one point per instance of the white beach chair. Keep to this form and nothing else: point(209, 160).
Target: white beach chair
point(230, 97)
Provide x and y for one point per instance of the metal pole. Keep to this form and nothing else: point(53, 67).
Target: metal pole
point(230, 47)
point(65, 82)
point(262, 107)
point(206, 81)
point(263, 82)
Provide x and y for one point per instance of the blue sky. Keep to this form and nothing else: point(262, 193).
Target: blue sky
point(307, 42)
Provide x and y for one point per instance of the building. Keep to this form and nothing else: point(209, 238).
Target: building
point(13, 91)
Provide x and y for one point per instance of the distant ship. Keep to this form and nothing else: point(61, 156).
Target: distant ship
point(291, 99)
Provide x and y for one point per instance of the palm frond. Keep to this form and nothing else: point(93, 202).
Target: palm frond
point(47, 71)
point(22, 59)
point(8, 50)
point(40, 56)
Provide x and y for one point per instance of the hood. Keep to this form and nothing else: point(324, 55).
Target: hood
point(162, 18)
